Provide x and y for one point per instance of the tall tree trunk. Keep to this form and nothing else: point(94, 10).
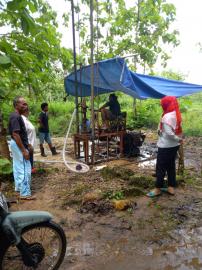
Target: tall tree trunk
point(4, 150)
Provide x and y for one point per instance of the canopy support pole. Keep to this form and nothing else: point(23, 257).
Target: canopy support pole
point(92, 80)
point(75, 67)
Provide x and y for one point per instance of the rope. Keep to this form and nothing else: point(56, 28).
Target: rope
point(74, 166)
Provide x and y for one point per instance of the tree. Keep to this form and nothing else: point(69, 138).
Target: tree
point(173, 75)
point(140, 29)
point(30, 50)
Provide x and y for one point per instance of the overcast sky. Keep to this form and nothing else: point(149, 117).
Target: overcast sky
point(186, 58)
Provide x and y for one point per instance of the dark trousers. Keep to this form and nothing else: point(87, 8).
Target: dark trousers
point(166, 164)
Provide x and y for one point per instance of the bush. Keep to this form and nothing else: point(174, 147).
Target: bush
point(60, 116)
point(5, 166)
point(148, 113)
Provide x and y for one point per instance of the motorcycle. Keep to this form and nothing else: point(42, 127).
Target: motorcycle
point(29, 240)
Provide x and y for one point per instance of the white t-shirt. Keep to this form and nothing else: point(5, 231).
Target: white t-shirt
point(31, 132)
point(167, 137)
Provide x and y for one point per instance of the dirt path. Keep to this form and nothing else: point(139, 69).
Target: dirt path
point(162, 233)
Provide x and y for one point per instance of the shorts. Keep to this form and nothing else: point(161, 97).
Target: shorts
point(112, 116)
point(109, 115)
point(44, 136)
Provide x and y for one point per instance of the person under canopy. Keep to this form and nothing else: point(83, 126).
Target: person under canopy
point(112, 113)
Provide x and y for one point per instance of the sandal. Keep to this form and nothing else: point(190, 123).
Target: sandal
point(153, 194)
point(164, 189)
point(171, 191)
point(168, 190)
point(27, 198)
point(34, 170)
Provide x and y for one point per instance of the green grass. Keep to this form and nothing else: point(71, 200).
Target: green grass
point(148, 113)
point(192, 124)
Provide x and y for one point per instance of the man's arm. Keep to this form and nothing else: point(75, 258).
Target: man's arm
point(19, 143)
point(40, 121)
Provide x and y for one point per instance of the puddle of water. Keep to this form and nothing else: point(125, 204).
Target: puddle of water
point(98, 168)
point(185, 254)
point(81, 249)
point(147, 164)
point(146, 159)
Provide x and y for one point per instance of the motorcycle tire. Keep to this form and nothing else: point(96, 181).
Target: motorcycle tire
point(10, 257)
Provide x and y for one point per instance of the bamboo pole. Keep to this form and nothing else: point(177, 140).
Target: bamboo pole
point(92, 79)
point(136, 40)
point(75, 66)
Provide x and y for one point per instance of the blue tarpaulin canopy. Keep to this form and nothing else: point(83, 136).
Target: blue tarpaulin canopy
point(113, 75)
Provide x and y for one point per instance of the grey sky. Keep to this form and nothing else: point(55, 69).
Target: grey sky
point(186, 58)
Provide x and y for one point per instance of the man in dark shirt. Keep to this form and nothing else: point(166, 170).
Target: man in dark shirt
point(113, 112)
point(44, 134)
point(20, 150)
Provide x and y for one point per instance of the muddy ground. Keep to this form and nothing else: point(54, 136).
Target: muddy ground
point(162, 233)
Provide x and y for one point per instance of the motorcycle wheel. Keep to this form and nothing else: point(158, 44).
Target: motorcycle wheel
point(46, 240)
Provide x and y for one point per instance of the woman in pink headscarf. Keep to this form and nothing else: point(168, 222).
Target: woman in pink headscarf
point(170, 137)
